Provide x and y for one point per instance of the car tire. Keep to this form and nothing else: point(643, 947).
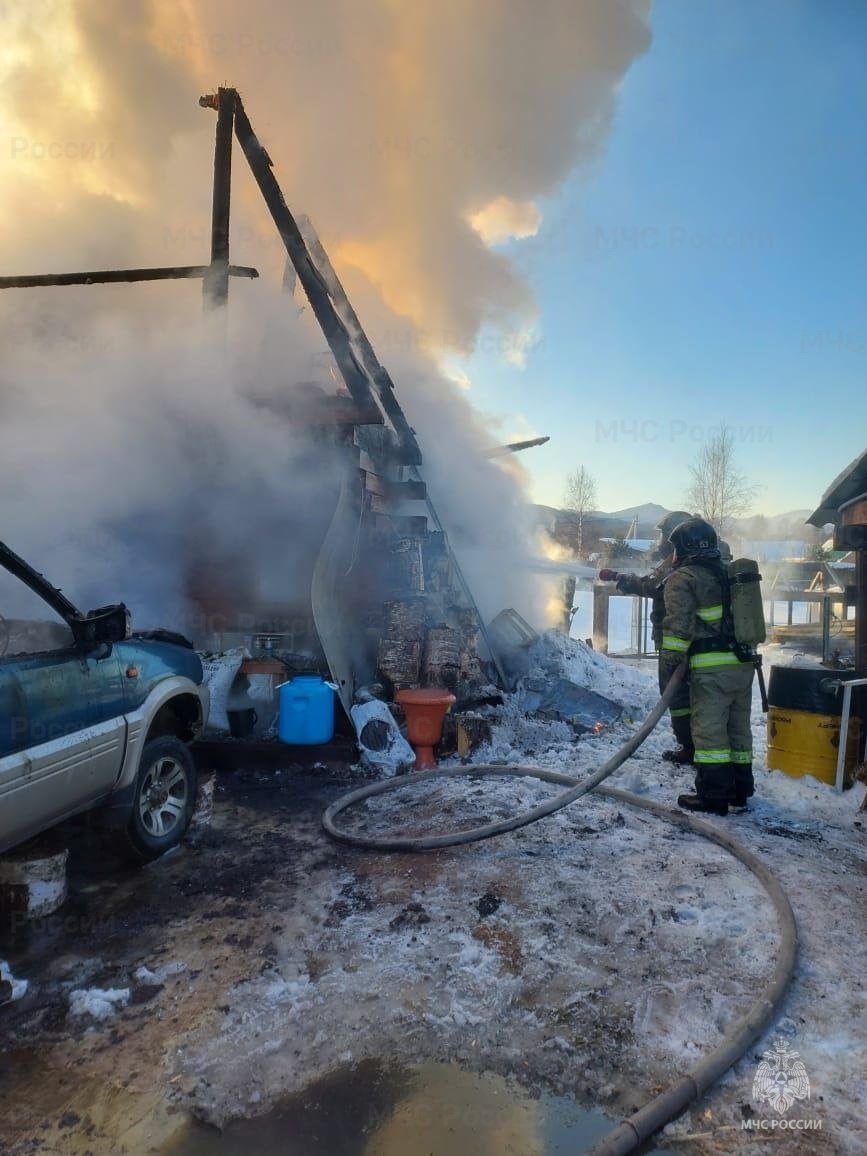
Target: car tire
point(163, 800)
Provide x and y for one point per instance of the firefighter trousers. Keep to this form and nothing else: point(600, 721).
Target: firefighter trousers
point(721, 698)
point(679, 708)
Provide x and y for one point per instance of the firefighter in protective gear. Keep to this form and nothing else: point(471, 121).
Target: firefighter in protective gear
point(698, 623)
point(650, 586)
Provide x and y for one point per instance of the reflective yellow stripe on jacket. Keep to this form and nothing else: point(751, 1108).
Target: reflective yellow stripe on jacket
point(713, 658)
point(673, 642)
point(710, 613)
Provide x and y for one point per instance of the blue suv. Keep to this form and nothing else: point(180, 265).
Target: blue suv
point(94, 716)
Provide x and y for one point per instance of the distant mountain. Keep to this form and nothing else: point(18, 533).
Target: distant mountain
point(788, 525)
point(561, 524)
point(616, 523)
point(650, 514)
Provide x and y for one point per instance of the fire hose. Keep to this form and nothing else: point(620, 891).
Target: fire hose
point(741, 1035)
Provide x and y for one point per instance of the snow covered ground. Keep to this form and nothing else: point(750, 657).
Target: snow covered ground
point(812, 837)
point(597, 953)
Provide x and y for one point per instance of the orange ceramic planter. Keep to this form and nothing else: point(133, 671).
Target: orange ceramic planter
point(425, 711)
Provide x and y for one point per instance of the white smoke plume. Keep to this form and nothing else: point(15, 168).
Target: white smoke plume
point(415, 135)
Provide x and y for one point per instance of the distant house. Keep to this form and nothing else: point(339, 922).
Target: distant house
point(844, 504)
point(802, 576)
point(772, 551)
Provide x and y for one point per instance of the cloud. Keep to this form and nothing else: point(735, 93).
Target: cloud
point(503, 219)
point(392, 126)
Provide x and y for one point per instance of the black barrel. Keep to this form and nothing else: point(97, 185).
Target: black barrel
point(812, 689)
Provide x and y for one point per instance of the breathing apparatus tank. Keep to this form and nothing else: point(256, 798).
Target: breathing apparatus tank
point(747, 610)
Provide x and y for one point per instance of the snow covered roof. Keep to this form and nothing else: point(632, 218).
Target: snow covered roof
point(846, 486)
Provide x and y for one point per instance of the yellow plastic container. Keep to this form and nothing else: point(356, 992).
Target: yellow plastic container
point(802, 743)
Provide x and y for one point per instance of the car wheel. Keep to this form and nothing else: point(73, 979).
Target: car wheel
point(164, 798)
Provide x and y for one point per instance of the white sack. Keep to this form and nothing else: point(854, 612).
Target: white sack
point(379, 737)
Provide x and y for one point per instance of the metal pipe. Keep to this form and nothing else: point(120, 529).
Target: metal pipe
point(846, 711)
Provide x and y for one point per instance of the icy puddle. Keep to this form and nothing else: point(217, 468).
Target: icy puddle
point(378, 1109)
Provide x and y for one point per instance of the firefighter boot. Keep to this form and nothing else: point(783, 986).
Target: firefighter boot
point(714, 787)
point(744, 785)
point(680, 756)
point(684, 753)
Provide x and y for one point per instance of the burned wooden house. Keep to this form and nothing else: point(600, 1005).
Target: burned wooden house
point(388, 602)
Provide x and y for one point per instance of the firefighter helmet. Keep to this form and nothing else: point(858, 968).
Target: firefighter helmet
point(671, 522)
point(664, 548)
point(694, 538)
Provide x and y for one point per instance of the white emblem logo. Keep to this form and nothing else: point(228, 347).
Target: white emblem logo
point(781, 1079)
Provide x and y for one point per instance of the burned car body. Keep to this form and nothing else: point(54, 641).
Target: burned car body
point(102, 720)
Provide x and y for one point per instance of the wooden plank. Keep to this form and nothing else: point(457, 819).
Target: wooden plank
point(515, 447)
point(383, 386)
point(395, 491)
point(381, 444)
point(378, 504)
point(401, 525)
point(384, 504)
point(415, 526)
point(601, 601)
point(318, 411)
point(215, 287)
point(412, 491)
point(373, 483)
point(113, 276)
point(352, 372)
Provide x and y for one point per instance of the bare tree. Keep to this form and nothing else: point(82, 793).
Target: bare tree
point(581, 497)
point(719, 491)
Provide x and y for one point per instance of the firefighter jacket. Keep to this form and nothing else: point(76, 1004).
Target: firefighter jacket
point(695, 622)
point(649, 586)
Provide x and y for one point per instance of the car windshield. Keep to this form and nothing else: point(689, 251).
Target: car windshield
point(27, 624)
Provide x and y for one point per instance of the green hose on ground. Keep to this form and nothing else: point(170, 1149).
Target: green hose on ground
point(659, 1111)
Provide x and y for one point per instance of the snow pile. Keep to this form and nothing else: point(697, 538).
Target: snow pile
point(98, 1002)
point(554, 655)
point(519, 737)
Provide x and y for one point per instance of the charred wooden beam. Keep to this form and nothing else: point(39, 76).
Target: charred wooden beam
point(384, 504)
point(384, 392)
point(378, 504)
point(328, 410)
point(113, 276)
point(381, 445)
point(365, 378)
point(215, 287)
point(394, 491)
point(515, 447)
point(402, 526)
point(383, 385)
point(357, 381)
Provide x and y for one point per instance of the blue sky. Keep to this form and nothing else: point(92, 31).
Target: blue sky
point(710, 265)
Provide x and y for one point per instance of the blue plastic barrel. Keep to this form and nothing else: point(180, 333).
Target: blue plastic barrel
point(306, 711)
